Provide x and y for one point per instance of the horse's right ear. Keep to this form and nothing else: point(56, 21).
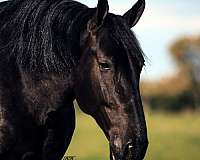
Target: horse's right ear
point(133, 15)
point(101, 13)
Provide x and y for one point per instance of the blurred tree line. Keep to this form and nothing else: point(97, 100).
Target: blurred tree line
point(182, 90)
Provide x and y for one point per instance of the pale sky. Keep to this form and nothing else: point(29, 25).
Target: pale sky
point(163, 22)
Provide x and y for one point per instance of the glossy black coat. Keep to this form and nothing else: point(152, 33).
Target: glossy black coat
point(53, 52)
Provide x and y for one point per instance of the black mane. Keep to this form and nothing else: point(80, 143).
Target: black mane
point(42, 34)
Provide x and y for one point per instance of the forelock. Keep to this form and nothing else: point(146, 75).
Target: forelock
point(120, 38)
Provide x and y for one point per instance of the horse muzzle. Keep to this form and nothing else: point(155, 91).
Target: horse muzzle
point(132, 150)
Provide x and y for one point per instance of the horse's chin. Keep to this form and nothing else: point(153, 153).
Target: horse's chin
point(124, 157)
point(129, 154)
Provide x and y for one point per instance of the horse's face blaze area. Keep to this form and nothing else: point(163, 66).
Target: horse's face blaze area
point(107, 85)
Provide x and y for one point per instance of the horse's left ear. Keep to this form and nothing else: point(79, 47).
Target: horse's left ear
point(100, 15)
point(134, 14)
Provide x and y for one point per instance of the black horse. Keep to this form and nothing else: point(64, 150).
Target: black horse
point(55, 51)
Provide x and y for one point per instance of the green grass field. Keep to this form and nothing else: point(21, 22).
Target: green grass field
point(171, 137)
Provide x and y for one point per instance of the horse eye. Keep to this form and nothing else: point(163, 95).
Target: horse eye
point(104, 66)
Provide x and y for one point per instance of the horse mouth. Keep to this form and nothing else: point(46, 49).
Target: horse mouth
point(130, 152)
point(126, 157)
point(127, 154)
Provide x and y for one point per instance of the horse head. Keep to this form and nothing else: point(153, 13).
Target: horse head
point(107, 80)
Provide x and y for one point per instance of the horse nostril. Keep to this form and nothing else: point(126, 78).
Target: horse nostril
point(129, 142)
point(135, 149)
point(128, 150)
point(129, 145)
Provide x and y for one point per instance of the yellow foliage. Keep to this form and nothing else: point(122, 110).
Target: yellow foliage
point(169, 86)
point(180, 46)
